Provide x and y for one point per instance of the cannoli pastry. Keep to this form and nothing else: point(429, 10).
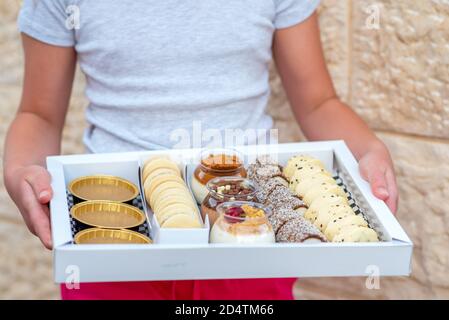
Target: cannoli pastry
point(280, 216)
point(266, 172)
point(299, 161)
point(281, 197)
point(356, 234)
point(265, 187)
point(321, 190)
point(335, 226)
point(299, 230)
point(265, 160)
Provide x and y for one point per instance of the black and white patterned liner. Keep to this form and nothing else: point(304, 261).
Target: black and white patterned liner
point(345, 182)
point(137, 202)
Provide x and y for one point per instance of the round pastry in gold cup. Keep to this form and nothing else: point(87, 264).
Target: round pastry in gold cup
point(110, 236)
point(107, 215)
point(224, 189)
point(215, 163)
point(102, 187)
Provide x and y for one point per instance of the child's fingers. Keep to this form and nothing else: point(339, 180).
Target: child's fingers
point(378, 182)
point(37, 216)
point(40, 182)
point(392, 201)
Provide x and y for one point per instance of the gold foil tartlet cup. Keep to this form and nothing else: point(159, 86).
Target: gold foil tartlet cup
point(103, 187)
point(110, 236)
point(107, 214)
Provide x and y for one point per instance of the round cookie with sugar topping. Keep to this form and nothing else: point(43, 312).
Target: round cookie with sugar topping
point(280, 216)
point(266, 172)
point(265, 188)
point(356, 234)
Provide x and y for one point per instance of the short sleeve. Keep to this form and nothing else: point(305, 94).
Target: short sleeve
point(291, 12)
point(47, 21)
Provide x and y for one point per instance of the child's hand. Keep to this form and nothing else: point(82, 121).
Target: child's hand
point(376, 167)
point(30, 189)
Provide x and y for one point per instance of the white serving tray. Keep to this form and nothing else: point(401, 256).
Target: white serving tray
point(162, 261)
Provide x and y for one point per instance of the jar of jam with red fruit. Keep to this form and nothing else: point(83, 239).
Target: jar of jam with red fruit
point(225, 189)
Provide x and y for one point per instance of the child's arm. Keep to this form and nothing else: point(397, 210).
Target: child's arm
point(36, 131)
point(320, 113)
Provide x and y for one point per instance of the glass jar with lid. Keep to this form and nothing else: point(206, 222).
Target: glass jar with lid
point(215, 163)
point(242, 222)
point(225, 189)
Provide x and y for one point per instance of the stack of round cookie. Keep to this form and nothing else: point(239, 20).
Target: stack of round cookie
point(168, 195)
point(328, 207)
point(287, 209)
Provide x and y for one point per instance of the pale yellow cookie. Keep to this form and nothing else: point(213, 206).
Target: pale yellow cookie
point(167, 188)
point(182, 195)
point(311, 182)
point(174, 209)
point(157, 163)
point(154, 183)
point(356, 234)
point(172, 200)
point(181, 221)
point(322, 204)
point(149, 193)
point(158, 172)
point(303, 173)
point(332, 212)
point(320, 190)
point(334, 226)
point(299, 161)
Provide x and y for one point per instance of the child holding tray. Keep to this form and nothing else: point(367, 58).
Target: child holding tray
point(153, 67)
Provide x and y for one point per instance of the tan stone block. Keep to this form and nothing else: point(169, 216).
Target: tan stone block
point(334, 24)
point(400, 71)
point(423, 179)
point(26, 267)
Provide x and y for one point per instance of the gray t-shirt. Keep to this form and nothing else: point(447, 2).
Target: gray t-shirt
point(158, 70)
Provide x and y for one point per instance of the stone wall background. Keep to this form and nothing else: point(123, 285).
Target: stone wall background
point(395, 76)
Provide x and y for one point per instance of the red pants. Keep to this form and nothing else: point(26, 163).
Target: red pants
point(244, 289)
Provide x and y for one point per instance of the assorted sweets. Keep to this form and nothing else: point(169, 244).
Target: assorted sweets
point(287, 219)
point(102, 211)
point(225, 189)
point(215, 163)
point(328, 207)
point(265, 203)
point(242, 222)
point(168, 195)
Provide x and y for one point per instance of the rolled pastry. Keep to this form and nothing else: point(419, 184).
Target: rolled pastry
point(299, 230)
